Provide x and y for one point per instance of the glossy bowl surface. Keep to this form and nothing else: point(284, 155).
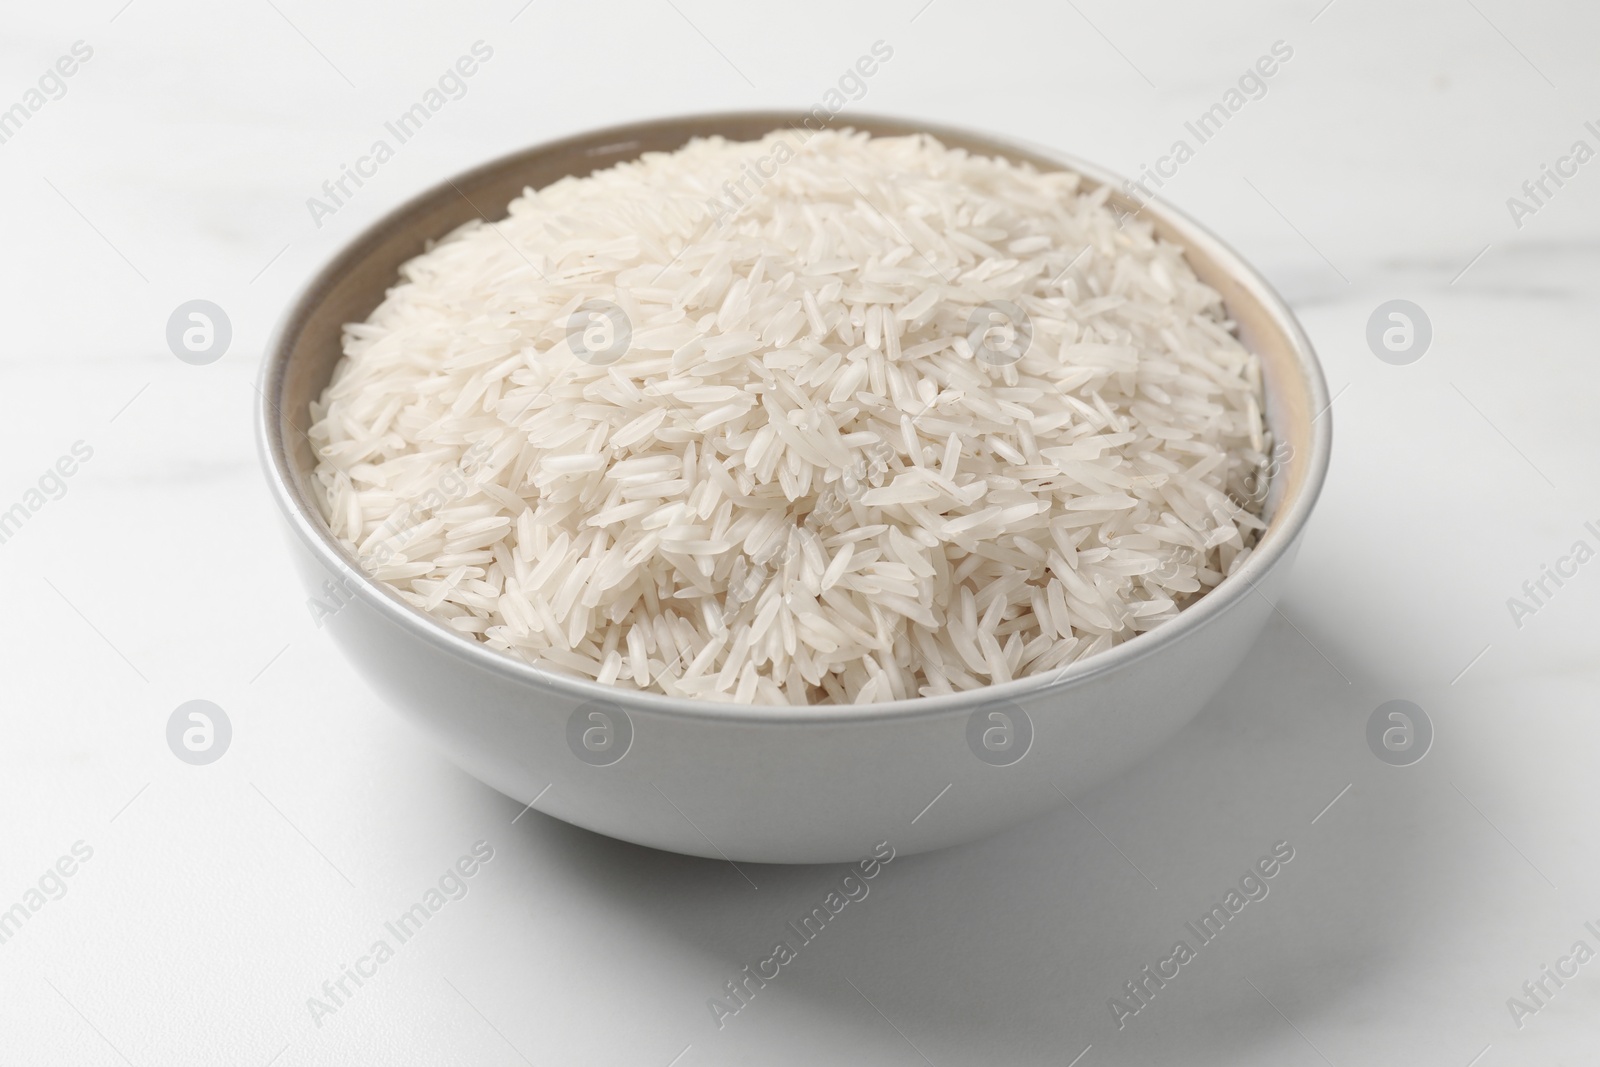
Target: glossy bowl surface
point(795, 785)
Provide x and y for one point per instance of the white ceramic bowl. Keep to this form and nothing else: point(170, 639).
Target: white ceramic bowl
point(796, 785)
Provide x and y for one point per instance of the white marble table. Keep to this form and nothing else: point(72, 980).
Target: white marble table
point(207, 904)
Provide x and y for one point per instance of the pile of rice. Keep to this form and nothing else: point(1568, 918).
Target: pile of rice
point(795, 454)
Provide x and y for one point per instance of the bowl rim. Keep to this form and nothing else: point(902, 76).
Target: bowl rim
point(308, 525)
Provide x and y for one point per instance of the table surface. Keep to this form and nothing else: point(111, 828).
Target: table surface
point(208, 905)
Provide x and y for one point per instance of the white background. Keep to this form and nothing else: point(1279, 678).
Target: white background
point(219, 898)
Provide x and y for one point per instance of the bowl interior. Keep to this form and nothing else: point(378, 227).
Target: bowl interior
point(302, 358)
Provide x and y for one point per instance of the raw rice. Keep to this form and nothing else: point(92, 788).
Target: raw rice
point(798, 481)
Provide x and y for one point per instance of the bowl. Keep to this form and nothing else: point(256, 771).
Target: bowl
point(786, 785)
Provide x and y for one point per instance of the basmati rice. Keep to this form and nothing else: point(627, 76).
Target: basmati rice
point(909, 421)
